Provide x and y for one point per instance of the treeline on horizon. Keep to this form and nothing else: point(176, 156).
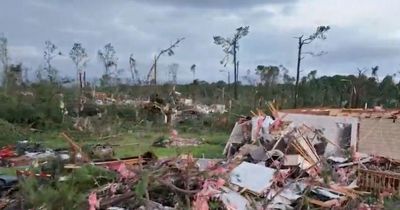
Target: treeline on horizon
point(265, 83)
point(272, 83)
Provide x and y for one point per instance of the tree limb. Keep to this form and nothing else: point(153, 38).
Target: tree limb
point(307, 41)
point(321, 53)
point(168, 50)
point(177, 188)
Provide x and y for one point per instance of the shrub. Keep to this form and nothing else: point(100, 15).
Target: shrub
point(69, 194)
point(9, 133)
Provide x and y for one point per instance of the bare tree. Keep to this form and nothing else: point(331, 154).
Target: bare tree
point(249, 78)
point(230, 47)
point(173, 72)
point(80, 58)
point(153, 68)
point(4, 57)
point(49, 53)
point(193, 70)
point(318, 34)
point(109, 59)
point(134, 71)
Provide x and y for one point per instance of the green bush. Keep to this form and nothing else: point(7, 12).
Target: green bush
point(65, 195)
point(124, 112)
point(52, 197)
point(9, 133)
point(41, 112)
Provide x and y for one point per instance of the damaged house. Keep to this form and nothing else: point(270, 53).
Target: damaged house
point(365, 130)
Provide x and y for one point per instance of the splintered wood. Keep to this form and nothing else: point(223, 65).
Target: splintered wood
point(304, 147)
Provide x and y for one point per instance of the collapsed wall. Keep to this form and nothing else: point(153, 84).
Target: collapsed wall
point(340, 130)
point(372, 132)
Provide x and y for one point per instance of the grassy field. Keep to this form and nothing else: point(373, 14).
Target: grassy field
point(139, 141)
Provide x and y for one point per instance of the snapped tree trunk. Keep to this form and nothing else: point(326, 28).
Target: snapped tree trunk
point(296, 90)
point(155, 71)
point(235, 71)
point(237, 75)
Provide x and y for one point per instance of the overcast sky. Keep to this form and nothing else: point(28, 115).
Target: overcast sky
point(363, 33)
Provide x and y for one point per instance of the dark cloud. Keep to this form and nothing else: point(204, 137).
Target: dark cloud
point(145, 27)
point(219, 4)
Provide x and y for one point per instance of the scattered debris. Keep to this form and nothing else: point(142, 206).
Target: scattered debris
point(270, 164)
point(175, 141)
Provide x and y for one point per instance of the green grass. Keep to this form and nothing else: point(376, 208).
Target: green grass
point(137, 142)
point(10, 171)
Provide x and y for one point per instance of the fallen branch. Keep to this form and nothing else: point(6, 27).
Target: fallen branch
point(106, 202)
point(110, 136)
point(177, 188)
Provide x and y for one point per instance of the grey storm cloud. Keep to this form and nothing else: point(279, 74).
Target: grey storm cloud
point(143, 27)
point(221, 4)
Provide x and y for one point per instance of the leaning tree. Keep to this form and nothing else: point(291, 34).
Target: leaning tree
point(169, 51)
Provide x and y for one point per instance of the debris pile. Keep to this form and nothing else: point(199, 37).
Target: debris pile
point(270, 164)
point(24, 153)
point(285, 166)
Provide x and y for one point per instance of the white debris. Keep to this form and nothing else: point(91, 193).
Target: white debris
point(256, 178)
point(338, 159)
point(234, 200)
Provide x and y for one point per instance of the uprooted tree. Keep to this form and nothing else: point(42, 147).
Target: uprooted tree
point(153, 68)
point(230, 46)
point(318, 34)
